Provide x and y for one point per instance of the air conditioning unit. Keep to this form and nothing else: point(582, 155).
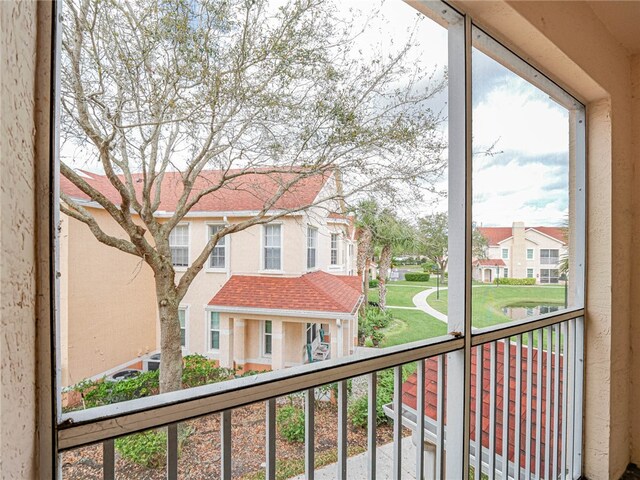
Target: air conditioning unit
point(151, 363)
point(124, 374)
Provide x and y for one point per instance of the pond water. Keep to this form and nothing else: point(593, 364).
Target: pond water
point(519, 311)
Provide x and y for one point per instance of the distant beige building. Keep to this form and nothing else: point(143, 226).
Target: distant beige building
point(521, 252)
point(270, 296)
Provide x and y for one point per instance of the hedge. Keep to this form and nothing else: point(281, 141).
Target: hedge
point(417, 277)
point(514, 281)
point(373, 283)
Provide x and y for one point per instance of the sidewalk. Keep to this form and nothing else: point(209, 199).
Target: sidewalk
point(357, 465)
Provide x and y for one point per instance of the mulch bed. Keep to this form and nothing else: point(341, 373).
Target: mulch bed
point(200, 456)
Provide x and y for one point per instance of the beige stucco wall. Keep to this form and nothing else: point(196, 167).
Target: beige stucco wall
point(517, 263)
point(18, 369)
point(244, 250)
point(589, 62)
point(108, 315)
point(108, 308)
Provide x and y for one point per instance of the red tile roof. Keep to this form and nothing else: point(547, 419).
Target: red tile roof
point(245, 193)
point(495, 235)
point(489, 262)
point(409, 398)
point(318, 291)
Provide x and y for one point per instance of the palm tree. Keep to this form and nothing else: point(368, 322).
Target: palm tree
point(390, 234)
point(366, 212)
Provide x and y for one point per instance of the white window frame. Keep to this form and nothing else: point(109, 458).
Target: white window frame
point(533, 254)
point(181, 268)
point(530, 273)
point(547, 259)
point(312, 249)
point(185, 309)
point(334, 249)
point(226, 239)
point(209, 331)
point(548, 277)
point(505, 272)
point(263, 247)
point(504, 254)
point(263, 338)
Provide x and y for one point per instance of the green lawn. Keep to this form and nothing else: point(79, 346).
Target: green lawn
point(430, 283)
point(410, 326)
point(487, 301)
point(399, 297)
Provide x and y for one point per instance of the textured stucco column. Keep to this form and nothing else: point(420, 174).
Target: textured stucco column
point(239, 340)
point(635, 278)
point(18, 229)
point(226, 341)
point(333, 331)
point(278, 343)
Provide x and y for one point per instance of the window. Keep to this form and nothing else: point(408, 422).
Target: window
point(529, 272)
point(549, 275)
point(334, 249)
point(273, 247)
point(214, 330)
point(267, 337)
point(505, 253)
point(182, 316)
point(529, 253)
point(506, 273)
point(312, 332)
point(218, 256)
point(549, 256)
point(312, 247)
point(179, 244)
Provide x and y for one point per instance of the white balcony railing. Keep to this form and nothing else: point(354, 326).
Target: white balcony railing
point(535, 368)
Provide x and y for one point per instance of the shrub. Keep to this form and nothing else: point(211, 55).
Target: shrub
point(149, 448)
point(146, 448)
point(514, 281)
point(359, 411)
point(384, 395)
point(199, 370)
point(290, 421)
point(428, 267)
point(370, 325)
point(103, 392)
point(373, 283)
point(417, 277)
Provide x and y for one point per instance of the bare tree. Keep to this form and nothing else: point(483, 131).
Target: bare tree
point(180, 88)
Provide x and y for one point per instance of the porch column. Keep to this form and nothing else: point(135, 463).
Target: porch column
point(340, 327)
point(278, 344)
point(333, 331)
point(238, 341)
point(226, 341)
point(429, 461)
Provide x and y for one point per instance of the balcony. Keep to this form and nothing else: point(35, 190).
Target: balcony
point(537, 436)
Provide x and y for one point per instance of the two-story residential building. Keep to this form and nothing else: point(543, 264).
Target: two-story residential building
point(521, 252)
point(272, 295)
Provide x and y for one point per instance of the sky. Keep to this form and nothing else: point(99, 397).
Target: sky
point(520, 136)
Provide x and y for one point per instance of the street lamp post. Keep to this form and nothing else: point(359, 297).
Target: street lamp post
point(437, 284)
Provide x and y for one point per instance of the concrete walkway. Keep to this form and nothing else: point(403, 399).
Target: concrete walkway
point(420, 301)
point(357, 465)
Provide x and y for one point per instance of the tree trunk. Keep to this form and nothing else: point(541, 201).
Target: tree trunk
point(385, 264)
point(170, 348)
point(362, 263)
